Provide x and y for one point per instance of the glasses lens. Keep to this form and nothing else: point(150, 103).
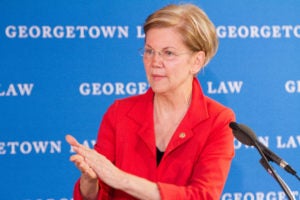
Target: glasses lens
point(141, 51)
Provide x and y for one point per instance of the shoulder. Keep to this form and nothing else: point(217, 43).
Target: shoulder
point(219, 113)
point(132, 103)
point(134, 100)
point(215, 106)
point(210, 107)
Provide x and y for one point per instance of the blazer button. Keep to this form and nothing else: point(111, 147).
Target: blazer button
point(182, 135)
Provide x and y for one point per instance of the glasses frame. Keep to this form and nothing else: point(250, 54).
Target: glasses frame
point(166, 54)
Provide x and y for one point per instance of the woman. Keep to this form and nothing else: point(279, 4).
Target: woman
point(171, 142)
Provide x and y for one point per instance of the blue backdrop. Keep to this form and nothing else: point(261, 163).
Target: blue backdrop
point(64, 62)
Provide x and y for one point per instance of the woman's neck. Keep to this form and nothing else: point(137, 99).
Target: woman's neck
point(175, 101)
point(169, 111)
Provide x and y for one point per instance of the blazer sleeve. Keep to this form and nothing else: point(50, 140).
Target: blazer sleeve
point(105, 145)
point(212, 167)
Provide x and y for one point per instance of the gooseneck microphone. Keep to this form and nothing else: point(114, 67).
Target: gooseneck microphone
point(246, 136)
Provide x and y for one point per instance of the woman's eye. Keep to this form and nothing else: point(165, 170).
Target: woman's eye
point(149, 51)
point(169, 53)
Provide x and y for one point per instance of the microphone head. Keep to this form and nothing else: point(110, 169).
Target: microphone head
point(243, 133)
point(234, 126)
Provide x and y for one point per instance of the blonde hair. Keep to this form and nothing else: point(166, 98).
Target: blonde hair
point(198, 32)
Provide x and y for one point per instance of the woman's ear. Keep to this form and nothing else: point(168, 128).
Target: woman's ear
point(199, 60)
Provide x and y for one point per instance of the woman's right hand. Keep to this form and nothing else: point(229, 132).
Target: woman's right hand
point(89, 180)
point(86, 171)
point(79, 160)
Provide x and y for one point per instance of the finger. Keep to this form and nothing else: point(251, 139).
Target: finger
point(79, 162)
point(90, 172)
point(76, 158)
point(93, 158)
point(84, 151)
point(71, 140)
point(82, 165)
point(93, 154)
point(82, 156)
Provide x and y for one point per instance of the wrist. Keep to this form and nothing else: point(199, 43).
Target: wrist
point(86, 178)
point(89, 187)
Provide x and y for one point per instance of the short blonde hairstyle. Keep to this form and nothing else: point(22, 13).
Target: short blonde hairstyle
point(198, 32)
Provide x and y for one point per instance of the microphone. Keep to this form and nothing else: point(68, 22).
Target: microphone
point(246, 136)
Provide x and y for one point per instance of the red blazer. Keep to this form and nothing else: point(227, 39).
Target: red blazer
point(196, 162)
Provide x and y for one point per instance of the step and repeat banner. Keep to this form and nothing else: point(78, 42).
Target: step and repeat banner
point(64, 62)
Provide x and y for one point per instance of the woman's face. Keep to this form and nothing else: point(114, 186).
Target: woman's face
point(169, 64)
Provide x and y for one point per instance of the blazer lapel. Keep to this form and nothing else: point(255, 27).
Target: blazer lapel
point(142, 115)
point(194, 116)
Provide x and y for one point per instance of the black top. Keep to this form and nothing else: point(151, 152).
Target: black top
point(159, 155)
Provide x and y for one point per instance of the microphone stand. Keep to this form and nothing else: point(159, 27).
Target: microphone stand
point(265, 163)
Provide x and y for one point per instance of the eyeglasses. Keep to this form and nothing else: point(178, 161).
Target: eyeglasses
point(168, 54)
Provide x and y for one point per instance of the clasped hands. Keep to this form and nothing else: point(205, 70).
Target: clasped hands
point(94, 165)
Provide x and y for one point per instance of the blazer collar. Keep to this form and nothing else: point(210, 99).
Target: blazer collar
point(198, 109)
point(142, 114)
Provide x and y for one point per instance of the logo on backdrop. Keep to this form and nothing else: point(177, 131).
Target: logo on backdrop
point(292, 86)
point(268, 195)
point(121, 31)
point(109, 88)
point(59, 146)
point(224, 87)
point(133, 88)
point(68, 32)
point(38, 147)
point(18, 89)
point(280, 142)
point(264, 31)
